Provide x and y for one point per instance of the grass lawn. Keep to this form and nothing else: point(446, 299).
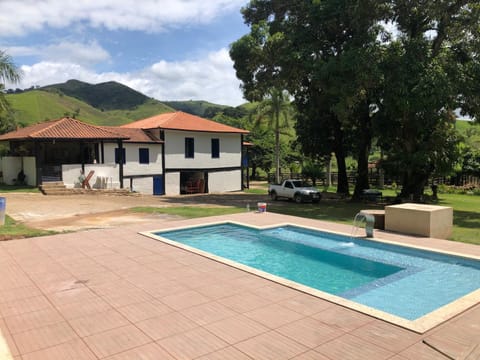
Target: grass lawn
point(256, 191)
point(466, 216)
point(20, 188)
point(14, 230)
point(466, 213)
point(466, 221)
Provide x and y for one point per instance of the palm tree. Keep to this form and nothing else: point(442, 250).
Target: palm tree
point(275, 107)
point(8, 72)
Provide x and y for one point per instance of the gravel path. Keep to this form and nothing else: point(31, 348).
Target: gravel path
point(76, 212)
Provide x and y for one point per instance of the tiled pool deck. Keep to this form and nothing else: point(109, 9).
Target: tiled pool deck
point(115, 294)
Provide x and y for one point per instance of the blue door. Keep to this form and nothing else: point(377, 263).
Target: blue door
point(158, 185)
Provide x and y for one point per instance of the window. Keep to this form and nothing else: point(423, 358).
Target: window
point(143, 156)
point(288, 185)
point(117, 156)
point(189, 148)
point(215, 148)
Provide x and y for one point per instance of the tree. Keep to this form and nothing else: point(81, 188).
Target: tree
point(320, 133)
point(8, 72)
point(275, 108)
point(353, 81)
point(431, 68)
point(470, 161)
point(261, 154)
point(325, 54)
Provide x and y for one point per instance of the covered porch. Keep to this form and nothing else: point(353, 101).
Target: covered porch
point(60, 150)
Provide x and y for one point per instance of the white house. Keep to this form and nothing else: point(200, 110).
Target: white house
point(200, 155)
point(174, 153)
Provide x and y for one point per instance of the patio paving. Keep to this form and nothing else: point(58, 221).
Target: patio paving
point(115, 294)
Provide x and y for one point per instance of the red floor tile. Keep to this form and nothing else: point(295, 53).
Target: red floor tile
point(115, 341)
point(192, 344)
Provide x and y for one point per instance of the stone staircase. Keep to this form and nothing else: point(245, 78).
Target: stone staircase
point(54, 188)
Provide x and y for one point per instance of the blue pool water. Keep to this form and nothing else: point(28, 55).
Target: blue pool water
point(405, 282)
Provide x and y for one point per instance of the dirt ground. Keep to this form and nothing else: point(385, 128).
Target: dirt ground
point(77, 212)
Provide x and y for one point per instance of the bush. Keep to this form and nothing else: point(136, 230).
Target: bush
point(469, 189)
point(313, 171)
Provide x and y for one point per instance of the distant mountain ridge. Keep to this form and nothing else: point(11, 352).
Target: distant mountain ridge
point(197, 107)
point(109, 103)
point(104, 96)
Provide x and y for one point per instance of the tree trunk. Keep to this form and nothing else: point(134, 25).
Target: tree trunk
point(380, 172)
point(342, 186)
point(277, 156)
point(381, 178)
point(339, 150)
point(413, 185)
point(364, 145)
point(329, 171)
point(415, 175)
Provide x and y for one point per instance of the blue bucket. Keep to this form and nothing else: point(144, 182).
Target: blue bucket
point(3, 203)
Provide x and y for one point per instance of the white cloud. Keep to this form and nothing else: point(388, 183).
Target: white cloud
point(64, 51)
point(25, 16)
point(86, 54)
point(211, 78)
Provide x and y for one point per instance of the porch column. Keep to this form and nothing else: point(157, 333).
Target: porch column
point(120, 162)
point(164, 175)
point(38, 162)
point(82, 156)
point(102, 153)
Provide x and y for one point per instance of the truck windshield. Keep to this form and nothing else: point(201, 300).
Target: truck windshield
point(298, 183)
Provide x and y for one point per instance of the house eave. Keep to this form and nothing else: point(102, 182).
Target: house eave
point(202, 131)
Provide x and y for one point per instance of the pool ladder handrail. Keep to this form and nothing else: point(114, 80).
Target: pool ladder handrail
point(369, 220)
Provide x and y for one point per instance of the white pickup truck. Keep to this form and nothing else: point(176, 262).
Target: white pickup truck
point(295, 190)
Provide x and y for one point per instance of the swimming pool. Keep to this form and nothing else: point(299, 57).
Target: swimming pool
point(403, 282)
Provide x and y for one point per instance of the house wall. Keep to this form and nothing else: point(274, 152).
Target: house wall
point(224, 181)
point(230, 150)
point(172, 183)
point(131, 168)
point(132, 165)
point(30, 170)
point(105, 176)
point(11, 166)
point(218, 180)
point(142, 185)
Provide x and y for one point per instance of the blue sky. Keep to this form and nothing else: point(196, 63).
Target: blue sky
point(167, 49)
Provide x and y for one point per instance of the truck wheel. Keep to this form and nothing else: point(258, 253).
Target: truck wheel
point(273, 196)
point(297, 198)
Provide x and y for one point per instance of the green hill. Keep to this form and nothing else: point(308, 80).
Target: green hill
point(196, 107)
point(108, 103)
point(35, 106)
point(104, 96)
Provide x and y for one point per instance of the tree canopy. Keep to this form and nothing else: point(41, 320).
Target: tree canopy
point(393, 70)
point(8, 72)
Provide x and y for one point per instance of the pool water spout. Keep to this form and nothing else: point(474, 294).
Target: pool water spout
point(369, 223)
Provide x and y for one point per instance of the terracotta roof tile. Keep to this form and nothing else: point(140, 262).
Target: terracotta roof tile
point(183, 121)
point(135, 135)
point(65, 128)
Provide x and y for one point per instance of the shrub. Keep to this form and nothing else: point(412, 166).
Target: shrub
point(469, 189)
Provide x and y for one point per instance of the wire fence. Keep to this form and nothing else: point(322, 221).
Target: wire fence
point(376, 179)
